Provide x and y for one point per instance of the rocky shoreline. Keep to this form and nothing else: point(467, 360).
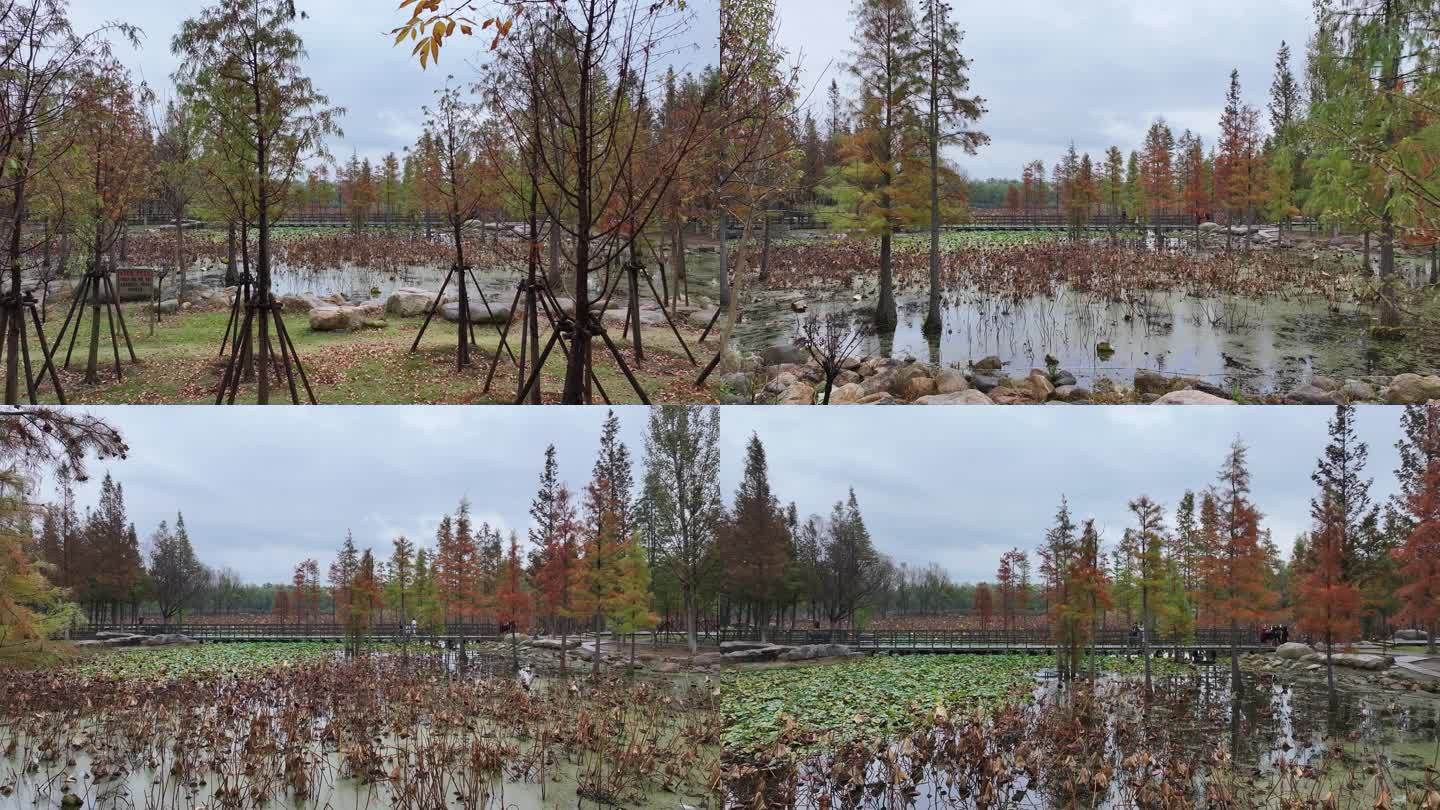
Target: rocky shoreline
point(1365, 665)
point(786, 375)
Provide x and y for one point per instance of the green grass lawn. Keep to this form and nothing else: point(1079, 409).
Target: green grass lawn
point(180, 363)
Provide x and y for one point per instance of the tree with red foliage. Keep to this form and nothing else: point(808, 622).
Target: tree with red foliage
point(1234, 564)
point(1419, 558)
point(282, 604)
point(512, 601)
point(1329, 603)
point(365, 601)
point(1090, 594)
point(984, 605)
point(555, 577)
point(1007, 580)
point(455, 564)
point(1012, 199)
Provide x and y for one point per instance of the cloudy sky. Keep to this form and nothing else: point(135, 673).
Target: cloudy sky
point(263, 488)
point(352, 59)
point(961, 487)
point(1098, 72)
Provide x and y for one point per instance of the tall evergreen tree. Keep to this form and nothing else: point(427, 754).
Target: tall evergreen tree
point(755, 544)
point(884, 62)
point(950, 113)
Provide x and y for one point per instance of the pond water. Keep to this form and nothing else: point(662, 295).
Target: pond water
point(1283, 738)
point(358, 283)
point(414, 767)
point(1233, 341)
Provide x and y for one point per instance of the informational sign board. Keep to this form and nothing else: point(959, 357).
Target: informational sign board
point(135, 283)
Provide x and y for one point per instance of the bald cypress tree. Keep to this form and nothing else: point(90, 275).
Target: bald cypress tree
point(950, 112)
point(885, 62)
point(756, 541)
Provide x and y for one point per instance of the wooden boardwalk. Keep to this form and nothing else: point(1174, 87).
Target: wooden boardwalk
point(1035, 641)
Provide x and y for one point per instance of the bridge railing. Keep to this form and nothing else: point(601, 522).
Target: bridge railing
point(991, 639)
point(205, 632)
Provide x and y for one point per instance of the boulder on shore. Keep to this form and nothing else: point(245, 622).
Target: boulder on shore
point(813, 652)
point(768, 652)
point(970, 397)
point(1293, 650)
point(1190, 397)
point(733, 646)
point(554, 643)
point(478, 313)
point(300, 302)
point(408, 301)
point(169, 640)
point(1412, 389)
point(336, 319)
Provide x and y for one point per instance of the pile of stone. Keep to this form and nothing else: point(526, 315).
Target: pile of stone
point(1306, 655)
point(616, 656)
point(787, 375)
point(749, 652)
point(111, 638)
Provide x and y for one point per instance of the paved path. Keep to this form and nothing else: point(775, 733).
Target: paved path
point(1424, 668)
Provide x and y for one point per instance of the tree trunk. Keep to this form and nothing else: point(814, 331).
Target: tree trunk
point(1330, 668)
point(933, 323)
point(1389, 310)
point(231, 277)
point(724, 278)
point(885, 313)
point(1145, 638)
point(765, 249)
point(732, 304)
point(688, 598)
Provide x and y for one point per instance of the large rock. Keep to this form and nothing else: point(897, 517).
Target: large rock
point(1151, 382)
point(987, 382)
point(169, 640)
point(1062, 378)
point(301, 302)
point(732, 646)
point(798, 394)
point(1411, 635)
point(1357, 391)
point(879, 382)
point(912, 382)
point(554, 643)
point(767, 653)
point(1294, 651)
point(335, 319)
point(846, 394)
point(1038, 386)
point(374, 308)
point(478, 313)
point(991, 363)
point(951, 381)
point(1189, 397)
point(409, 301)
point(1311, 395)
point(970, 397)
point(812, 652)
point(1412, 389)
point(878, 398)
point(1369, 663)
